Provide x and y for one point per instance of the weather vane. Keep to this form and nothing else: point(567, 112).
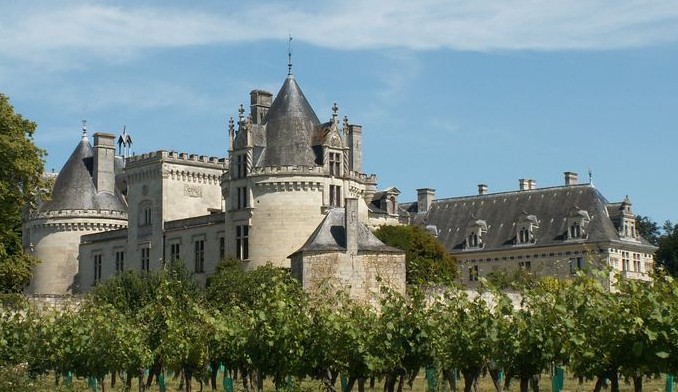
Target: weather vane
point(289, 55)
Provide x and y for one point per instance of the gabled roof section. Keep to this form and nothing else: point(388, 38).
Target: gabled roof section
point(501, 211)
point(290, 124)
point(74, 188)
point(330, 235)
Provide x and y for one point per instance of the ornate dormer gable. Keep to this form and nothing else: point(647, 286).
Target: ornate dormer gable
point(330, 147)
point(243, 134)
point(577, 222)
point(626, 226)
point(526, 227)
point(475, 234)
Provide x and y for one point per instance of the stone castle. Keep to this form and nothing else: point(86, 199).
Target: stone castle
point(292, 192)
point(290, 186)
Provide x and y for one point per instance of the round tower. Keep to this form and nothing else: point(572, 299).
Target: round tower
point(85, 200)
point(287, 170)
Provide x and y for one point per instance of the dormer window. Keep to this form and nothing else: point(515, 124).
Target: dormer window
point(475, 231)
point(627, 222)
point(526, 228)
point(577, 223)
point(334, 162)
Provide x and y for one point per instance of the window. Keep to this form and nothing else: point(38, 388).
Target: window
point(525, 265)
point(524, 235)
point(241, 166)
point(626, 262)
point(222, 248)
point(119, 261)
point(575, 230)
point(636, 262)
point(145, 259)
point(242, 242)
point(473, 240)
point(241, 197)
point(335, 164)
point(576, 264)
point(199, 255)
point(335, 195)
point(473, 274)
point(174, 251)
point(97, 268)
point(145, 213)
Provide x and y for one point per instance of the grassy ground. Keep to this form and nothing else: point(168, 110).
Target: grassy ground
point(16, 381)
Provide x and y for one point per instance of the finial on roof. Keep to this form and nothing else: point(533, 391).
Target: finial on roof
point(84, 129)
point(345, 124)
point(590, 176)
point(231, 133)
point(289, 55)
point(335, 110)
point(241, 114)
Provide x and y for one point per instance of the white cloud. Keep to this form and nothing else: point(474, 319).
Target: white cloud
point(67, 33)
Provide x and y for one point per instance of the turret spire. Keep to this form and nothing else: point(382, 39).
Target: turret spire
point(84, 129)
point(289, 55)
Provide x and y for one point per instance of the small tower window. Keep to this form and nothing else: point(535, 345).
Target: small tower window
point(335, 196)
point(335, 164)
point(242, 242)
point(241, 166)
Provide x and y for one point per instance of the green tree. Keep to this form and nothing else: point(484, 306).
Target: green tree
point(428, 262)
point(667, 254)
point(21, 168)
point(648, 229)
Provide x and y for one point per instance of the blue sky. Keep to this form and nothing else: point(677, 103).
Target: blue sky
point(450, 94)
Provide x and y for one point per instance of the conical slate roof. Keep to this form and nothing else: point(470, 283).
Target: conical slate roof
point(74, 188)
point(290, 123)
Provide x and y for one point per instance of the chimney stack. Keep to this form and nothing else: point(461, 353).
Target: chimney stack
point(425, 198)
point(482, 189)
point(355, 147)
point(103, 173)
point(531, 184)
point(571, 178)
point(260, 102)
point(351, 225)
point(523, 184)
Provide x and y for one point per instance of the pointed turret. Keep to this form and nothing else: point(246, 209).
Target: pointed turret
point(290, 123)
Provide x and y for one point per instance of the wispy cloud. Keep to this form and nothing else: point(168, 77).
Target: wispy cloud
point(67, 33)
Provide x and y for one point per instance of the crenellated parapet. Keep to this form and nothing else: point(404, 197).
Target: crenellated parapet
point(78, 226)
point(181, 174)
point(289, 186)
point(83, 214)
point(175, 156)
point(309, 171)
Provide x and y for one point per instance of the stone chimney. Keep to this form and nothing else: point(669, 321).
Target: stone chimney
point(355, 148)
point(531, 184)
point(482, 189)
point(571, 178)
point(523, 184)
point(103, 173)
point(351, 224)
point(260, 102)
point(425, 198)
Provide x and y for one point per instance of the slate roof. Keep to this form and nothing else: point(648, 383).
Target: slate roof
point(289, 127)
point(501, 211)
point(330, 235)
point(74, 188)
